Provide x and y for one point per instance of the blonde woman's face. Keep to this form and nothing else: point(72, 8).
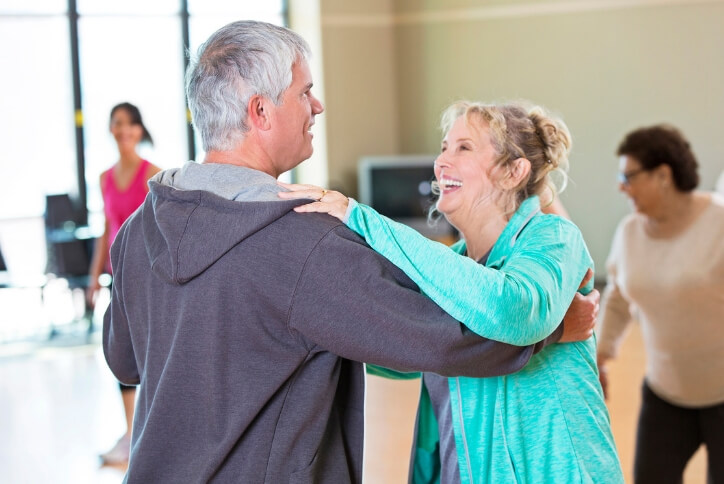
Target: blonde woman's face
point(462, 170)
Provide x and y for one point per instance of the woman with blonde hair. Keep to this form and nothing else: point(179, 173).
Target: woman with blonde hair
point(548, 422)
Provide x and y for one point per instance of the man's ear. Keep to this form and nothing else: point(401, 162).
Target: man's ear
point(517, 172)
point(257, 112)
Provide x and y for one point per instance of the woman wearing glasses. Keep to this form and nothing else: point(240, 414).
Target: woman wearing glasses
point(666, 269)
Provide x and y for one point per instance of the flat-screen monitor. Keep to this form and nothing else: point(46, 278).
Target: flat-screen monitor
point(400, 188)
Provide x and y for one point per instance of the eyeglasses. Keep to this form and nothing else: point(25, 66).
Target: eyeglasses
point(625, 177)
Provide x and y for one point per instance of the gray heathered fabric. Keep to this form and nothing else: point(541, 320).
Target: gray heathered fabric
point(439, 390)
point(227, 181)
point(244, 323)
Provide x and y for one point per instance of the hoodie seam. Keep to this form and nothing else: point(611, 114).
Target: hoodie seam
point(301, 273)
point(180, 239)
point(279, 416)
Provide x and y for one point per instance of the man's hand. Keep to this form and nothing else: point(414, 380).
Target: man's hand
point(586, 279)
point(580, 319)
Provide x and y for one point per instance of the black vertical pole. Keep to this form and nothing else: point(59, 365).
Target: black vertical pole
point(185, 51)
point(79, 142)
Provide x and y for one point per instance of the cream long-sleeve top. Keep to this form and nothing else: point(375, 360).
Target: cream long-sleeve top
point(675, 288)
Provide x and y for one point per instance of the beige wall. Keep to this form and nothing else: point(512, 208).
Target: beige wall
point(360, 85)
point(305, 18)
point(606, 66)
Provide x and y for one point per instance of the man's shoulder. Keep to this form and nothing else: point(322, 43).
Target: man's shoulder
point(333, 252)
point(317, 226)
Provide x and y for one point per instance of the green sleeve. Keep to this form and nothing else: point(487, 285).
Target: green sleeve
point(520, 303)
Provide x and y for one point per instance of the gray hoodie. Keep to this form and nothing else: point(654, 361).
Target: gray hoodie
point(245, 324)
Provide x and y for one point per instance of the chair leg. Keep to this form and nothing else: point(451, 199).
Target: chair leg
point(88, 316)
point(53, 330)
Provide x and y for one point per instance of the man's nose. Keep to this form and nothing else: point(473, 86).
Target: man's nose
point(317, 106)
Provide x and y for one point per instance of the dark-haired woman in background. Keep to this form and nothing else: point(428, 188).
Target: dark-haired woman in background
point(667, 262)
point(124, 187)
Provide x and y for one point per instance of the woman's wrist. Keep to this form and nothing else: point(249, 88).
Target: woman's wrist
point(351, 205)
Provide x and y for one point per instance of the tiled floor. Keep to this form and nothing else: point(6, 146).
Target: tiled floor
point(61, 407)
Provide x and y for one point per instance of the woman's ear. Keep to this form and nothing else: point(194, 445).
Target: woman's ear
point(518, 170)
point(665, 175)
point(258, 113)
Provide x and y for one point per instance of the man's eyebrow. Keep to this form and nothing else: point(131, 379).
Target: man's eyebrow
point(308, 86)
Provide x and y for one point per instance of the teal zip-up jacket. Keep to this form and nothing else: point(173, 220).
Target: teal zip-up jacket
point(545, 424)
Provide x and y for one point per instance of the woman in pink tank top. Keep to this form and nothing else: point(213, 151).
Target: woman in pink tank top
point(124, 187)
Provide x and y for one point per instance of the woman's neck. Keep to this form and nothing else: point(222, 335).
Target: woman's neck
point(129, 158)
point(481, 233)
point(675, 214)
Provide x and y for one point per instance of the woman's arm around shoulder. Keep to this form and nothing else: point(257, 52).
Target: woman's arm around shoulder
point(521, 303)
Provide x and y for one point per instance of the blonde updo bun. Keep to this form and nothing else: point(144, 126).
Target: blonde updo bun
point(556, 141)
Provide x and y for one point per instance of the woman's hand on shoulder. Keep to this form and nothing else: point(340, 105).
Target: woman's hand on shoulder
point(327, 201)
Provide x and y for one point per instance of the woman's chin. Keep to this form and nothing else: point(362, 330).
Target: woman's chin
point(443, 209)
point(639, 209)
point(127, 146)
point(449, 216)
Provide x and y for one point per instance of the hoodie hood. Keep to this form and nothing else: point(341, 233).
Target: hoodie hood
point(186, 230)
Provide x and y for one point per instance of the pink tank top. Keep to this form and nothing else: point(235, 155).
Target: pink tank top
point(118, 205)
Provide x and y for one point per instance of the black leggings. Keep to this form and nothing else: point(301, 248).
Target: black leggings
point(669, 435)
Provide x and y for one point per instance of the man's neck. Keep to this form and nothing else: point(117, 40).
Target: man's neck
point(246, 155)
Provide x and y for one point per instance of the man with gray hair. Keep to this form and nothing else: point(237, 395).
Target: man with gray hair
point(244, 322)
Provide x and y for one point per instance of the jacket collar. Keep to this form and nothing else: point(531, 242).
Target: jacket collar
point(503, 246)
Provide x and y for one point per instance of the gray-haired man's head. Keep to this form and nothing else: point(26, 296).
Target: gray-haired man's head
point(238, 61)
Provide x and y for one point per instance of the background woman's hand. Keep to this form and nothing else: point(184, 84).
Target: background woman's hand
point(92, 290)
point(327, 201)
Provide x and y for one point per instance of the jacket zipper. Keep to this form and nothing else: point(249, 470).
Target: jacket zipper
point(462, 431)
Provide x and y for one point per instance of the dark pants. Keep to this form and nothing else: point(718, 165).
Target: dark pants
point(669, 435)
